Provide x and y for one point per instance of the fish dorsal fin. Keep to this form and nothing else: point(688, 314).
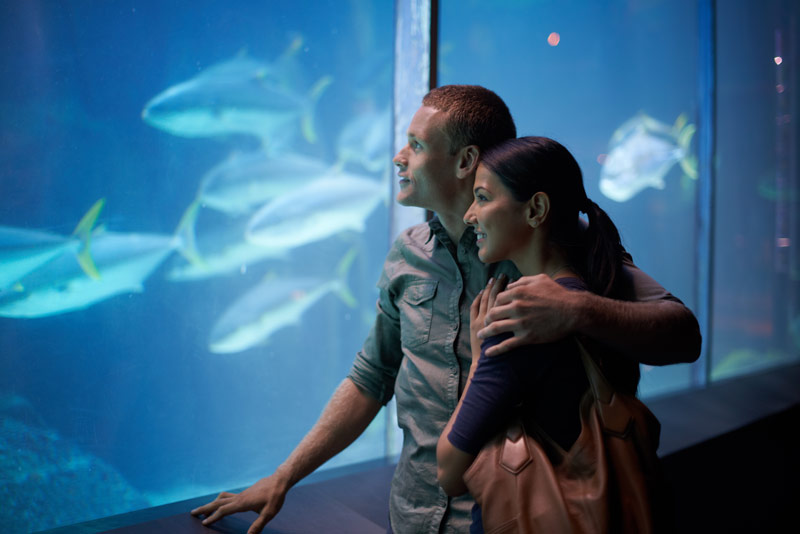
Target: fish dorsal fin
point(654, 125)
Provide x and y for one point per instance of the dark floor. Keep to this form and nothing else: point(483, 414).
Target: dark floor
point(730, 453)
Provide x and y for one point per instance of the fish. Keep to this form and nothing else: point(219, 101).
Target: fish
point(23, 250)
point(320, 209)
point(222, 253)
point(641, 152)
point(272, 305)
point(246, 180)
point(235, 187)
point(238, 96)
point(366, 140)
point(123, 261)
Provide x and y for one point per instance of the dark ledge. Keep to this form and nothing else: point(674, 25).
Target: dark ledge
point(354, 499)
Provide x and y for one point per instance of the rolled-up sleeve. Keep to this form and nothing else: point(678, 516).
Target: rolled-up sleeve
point(375, 367)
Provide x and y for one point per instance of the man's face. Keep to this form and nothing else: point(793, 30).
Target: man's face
point(426, 168)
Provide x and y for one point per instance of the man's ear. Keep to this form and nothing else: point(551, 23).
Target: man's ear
point(538, 209)
point(467, 161)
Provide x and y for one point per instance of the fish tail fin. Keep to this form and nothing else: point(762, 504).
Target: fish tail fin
point(185, 233)
point(84, 232)
point(307, 120)
point(689, 162)
point(689, 166)
point(680, 124)
point(341, 271)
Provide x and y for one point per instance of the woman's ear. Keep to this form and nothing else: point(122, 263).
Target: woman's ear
point(467, 161)
point(538, 209)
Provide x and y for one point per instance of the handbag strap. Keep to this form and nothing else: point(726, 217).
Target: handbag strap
point(614, 413)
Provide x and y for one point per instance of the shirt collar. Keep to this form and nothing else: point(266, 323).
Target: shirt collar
point(468, 238)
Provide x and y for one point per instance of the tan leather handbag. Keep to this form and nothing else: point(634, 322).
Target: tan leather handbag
point(608, 481)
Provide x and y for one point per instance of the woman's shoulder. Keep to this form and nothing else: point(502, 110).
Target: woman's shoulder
point(573, 283)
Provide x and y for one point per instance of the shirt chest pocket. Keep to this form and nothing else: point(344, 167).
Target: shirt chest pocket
point(416, 312)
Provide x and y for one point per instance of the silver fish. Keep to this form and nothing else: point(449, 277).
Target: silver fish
point(366, 140)
point(123, 260)
point(223, 252)
point(272, 305)
point(641, 152)
point(239, 96)
point(247, 180)
point(23, 250)
point(317, 210)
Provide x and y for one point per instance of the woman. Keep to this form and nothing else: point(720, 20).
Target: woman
point(527, 197)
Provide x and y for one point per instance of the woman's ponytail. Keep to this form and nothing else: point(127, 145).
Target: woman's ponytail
point(603, 250)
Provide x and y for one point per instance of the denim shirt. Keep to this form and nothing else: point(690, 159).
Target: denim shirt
point(419, 351)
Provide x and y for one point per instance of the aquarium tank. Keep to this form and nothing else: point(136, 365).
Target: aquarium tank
point(197, 202)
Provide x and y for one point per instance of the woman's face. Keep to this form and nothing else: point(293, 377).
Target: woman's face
point(500, 221)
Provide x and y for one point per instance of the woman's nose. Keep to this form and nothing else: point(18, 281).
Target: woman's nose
point(469, 217)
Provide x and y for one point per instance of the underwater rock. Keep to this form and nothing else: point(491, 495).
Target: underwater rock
point(47, 482)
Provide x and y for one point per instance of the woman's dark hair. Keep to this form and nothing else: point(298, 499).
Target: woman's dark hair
point(527, 165)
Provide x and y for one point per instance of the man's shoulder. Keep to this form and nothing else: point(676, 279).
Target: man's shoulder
point(415, 240)
point(415, 235)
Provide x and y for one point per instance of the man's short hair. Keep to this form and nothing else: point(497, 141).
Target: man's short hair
point(475, 116)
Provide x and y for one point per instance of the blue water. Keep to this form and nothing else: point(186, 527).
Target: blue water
point(136, 408)
point(128, 400)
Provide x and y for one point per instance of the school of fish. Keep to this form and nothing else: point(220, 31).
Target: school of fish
point(264, 202)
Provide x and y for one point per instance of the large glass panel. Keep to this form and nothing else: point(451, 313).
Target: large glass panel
point(756, 306)
point(616, 83)
point(228, 164)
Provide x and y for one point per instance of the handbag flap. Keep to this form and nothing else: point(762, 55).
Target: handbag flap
point(515, 450)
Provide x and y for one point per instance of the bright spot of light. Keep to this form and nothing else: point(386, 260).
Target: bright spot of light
point(553, 39)
point(784, 242)
point(779, 88)
point(778, 60)
point(601, 158)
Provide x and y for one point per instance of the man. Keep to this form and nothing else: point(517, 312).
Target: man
point(418, 348)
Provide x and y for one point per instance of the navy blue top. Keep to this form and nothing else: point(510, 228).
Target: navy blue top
point(546, 380)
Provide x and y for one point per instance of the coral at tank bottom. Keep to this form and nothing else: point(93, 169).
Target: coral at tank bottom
point(47, 482)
